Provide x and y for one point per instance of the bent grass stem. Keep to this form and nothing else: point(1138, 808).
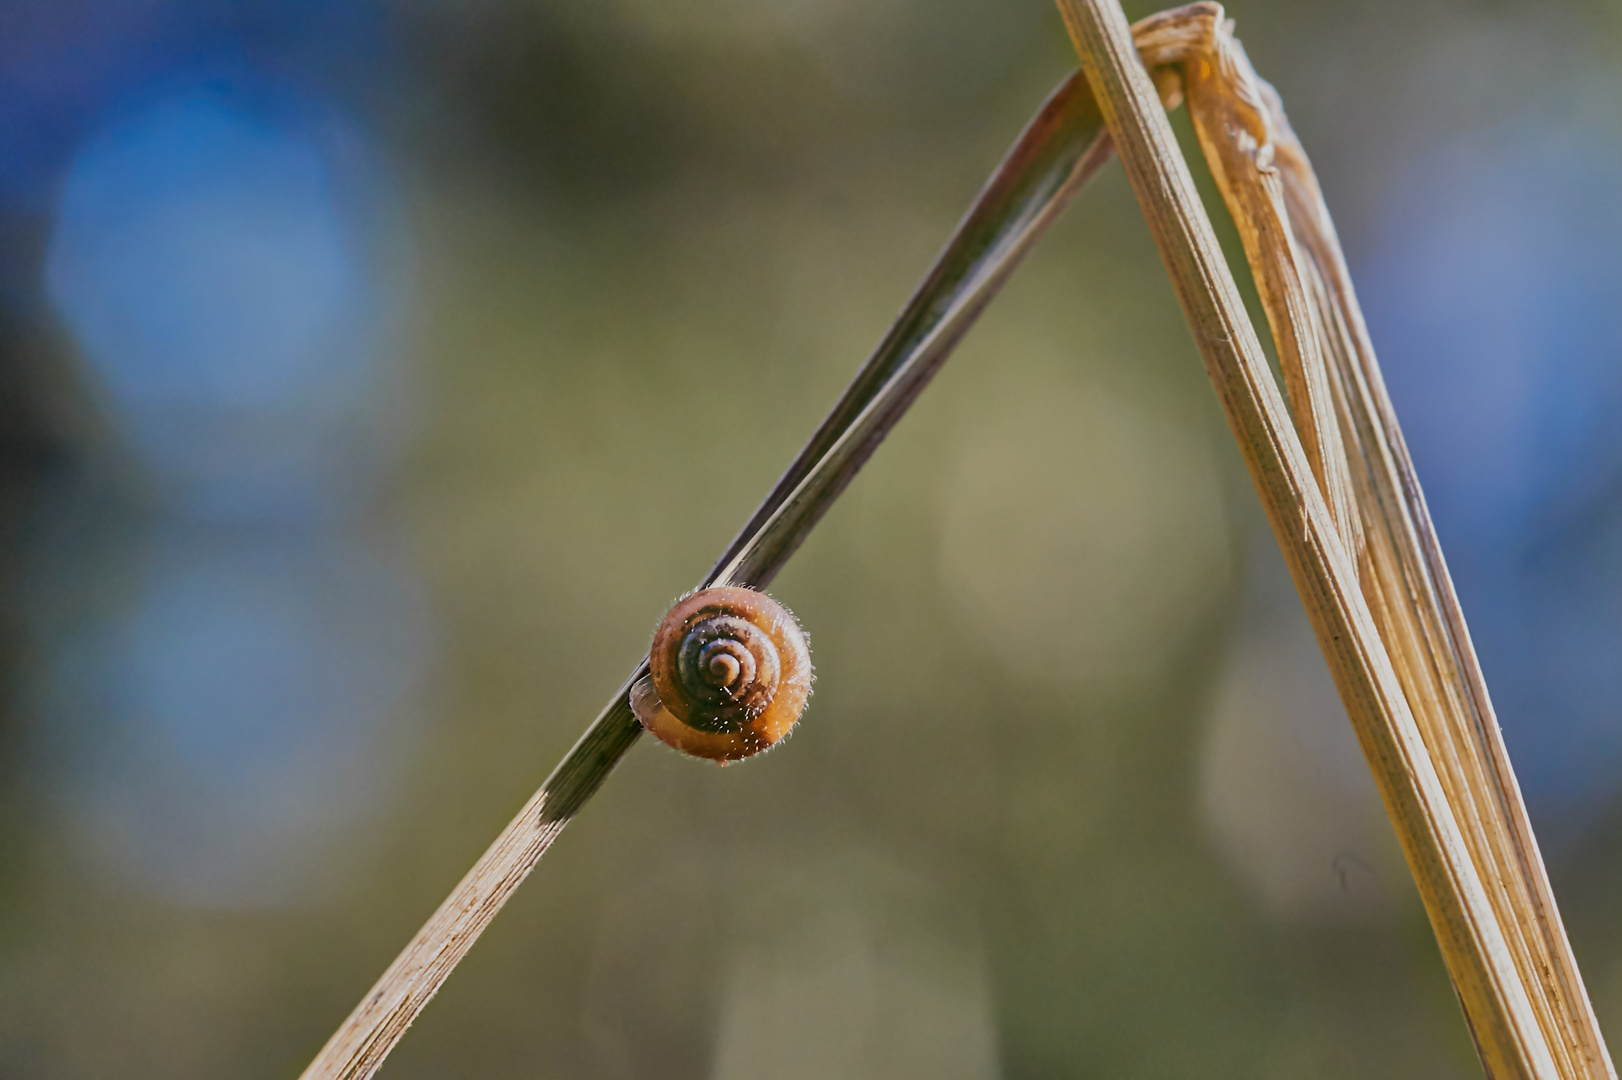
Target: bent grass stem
point(1335, 480)
point(1352, 523)
point(1055, 155)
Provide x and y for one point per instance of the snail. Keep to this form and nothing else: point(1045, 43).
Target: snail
point(729, 675)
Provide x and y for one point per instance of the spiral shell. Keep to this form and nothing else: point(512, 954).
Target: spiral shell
point(730, 674)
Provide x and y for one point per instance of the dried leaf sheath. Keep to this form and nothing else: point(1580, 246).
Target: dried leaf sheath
point(1473, 941)
point(1410, 593)
point(1290, 241)
point(1220, 90)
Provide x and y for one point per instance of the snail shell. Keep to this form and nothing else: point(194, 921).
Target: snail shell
point(730, 674)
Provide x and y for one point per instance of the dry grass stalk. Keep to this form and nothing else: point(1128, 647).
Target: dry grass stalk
point(1410, 593)
point(1471, 938)
point(1061, 148)
point(1492, 909)
point(1404, 577)
point(1347, 509)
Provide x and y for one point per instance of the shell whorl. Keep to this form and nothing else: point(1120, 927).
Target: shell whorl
point(730, 674)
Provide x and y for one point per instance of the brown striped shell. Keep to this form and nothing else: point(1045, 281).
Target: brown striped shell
point(730, 674)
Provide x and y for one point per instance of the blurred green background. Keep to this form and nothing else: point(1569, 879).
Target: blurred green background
point(373, 375)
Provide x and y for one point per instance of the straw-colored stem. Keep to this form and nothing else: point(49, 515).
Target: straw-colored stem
point(1466, 925)
point(1410, 593)
point(1333, 382)
point(1063, 146)
point(1233, 135)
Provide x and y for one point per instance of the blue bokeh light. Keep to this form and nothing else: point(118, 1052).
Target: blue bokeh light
point(216, 279)
point(232, 684)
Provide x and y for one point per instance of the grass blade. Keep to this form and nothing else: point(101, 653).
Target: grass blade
point(1410, 593)
point(1473, 939)
point(1361, 461)
point(1063, 145)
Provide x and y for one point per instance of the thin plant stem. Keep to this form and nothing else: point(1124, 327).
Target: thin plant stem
point(1055, 155)
point(1410, 593)
point(1347, 498)
point(1358, 454)
point(1467, 927)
